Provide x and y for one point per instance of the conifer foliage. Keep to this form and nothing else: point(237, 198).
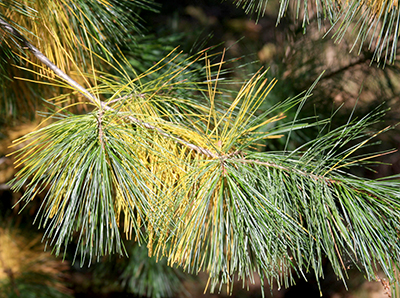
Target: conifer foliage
point(172, 157)
point(373, 23)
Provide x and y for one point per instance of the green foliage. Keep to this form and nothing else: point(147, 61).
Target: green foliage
point(95, 170)
point(252, 6)
point(172, 156)
point(150, 278)
point(137, 274)
point(187, 174)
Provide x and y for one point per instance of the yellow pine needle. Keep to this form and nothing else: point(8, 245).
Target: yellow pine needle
point(50, 77)
point(207, 284)
point(19, 161)
point(127, 63)
point(274, 137)
point(42, 82)
point(24, 138)
point(178, 72)
point(156, 67)
point(123, 73)
point(56, 206)
point(376, 6)
point(92, 62)
point(209, 87)
point(75, 65)
point(105, 3)
point(270, 120)
point(366, 158)
point(121, 89)
point(212, 91)
point(249, 107)
point(42, 71)
point(264, 94)
point(53, 54)
point(244, 90)
point(252, 106)
point(355, 149)
point(59, 111)
point(52, 17)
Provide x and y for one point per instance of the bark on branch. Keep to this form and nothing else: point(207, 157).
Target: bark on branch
point(26, 44)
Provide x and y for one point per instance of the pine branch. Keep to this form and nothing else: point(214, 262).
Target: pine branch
point(9, 28)
point(230, 213)
point(306, 174)
point(27, 45)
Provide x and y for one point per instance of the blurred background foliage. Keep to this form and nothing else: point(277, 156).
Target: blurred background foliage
point(145, 32)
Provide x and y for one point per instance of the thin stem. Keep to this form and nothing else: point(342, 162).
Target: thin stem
point(100, 128)
point(285, 169)
point(9, 28)
point(27, 45)
point(163, 133)
point(300, 172)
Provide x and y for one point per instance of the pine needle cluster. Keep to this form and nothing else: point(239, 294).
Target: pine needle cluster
point(75, 28)
point(375, 24)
